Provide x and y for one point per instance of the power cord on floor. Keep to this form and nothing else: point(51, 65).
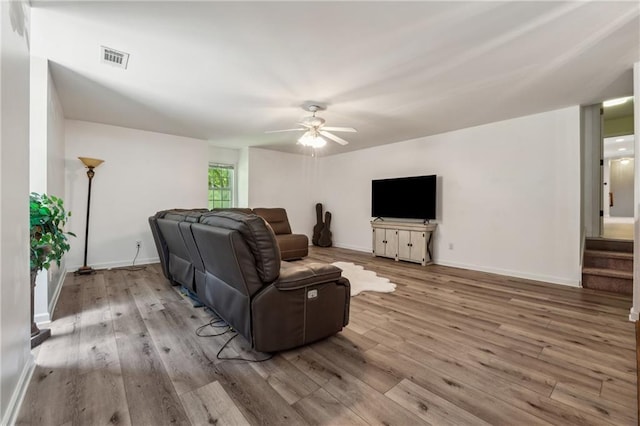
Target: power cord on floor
point(217, 322)
point(238, 358)
point(133, 264)
point(213, 323)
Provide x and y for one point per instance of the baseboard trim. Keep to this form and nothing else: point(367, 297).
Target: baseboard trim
point(497, 271)
point(13, 408)
point(42, 319)
point(350, 247)
point(56, 294)
point(47, 317)
point(117, 264)
point(510, 273)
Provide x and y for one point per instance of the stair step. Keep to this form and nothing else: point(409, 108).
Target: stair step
point(613, 273)
point(608, 280)
point(609, 254)
point(609, 244)
point(612, 260)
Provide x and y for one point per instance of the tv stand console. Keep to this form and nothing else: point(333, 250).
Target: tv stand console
point(408, 241)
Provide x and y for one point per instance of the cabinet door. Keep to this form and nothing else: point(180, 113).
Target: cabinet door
point(379, 245)
point(392, 243)
point(404, 244)
point(418, 246)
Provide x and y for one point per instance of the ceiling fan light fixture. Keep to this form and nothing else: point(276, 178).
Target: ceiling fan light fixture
point(312, 139)
point(315, 129)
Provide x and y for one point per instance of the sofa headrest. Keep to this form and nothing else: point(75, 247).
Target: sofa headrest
point(244, 210)
point(257, 234)
point(189, 215)
point(277, 218)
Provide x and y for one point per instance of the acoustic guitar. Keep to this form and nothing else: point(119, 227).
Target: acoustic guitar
point(325, 234)
point(317, 229)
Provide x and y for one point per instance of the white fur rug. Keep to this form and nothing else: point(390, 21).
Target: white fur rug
point(363, 280)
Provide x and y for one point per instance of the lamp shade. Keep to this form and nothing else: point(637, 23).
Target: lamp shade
point(91, 162)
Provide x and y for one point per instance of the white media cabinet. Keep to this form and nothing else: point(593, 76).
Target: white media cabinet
point(408, 241)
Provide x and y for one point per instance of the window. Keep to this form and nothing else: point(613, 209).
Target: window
point(220, 185)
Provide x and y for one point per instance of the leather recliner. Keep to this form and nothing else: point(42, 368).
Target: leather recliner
point(274, 305)
point(292, 246)
point(179, 259)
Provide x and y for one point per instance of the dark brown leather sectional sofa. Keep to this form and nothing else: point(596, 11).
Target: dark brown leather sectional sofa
point(231, 261)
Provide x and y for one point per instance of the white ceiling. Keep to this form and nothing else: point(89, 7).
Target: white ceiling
point(618, 146)
point(227, 72)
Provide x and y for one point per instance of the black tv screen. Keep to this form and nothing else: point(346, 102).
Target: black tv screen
point(407, 198)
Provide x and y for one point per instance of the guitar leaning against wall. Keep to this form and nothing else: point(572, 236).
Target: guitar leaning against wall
point(325, 234)
point(317, 229)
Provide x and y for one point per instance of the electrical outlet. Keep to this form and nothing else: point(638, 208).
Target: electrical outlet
point(138, 244)
point(450, 246)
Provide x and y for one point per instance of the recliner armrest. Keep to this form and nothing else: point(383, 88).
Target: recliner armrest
point(295, 277)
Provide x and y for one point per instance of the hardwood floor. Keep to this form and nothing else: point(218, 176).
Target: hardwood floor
point(620, 228)
point(448, 347)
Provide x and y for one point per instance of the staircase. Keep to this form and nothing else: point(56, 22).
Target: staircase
point(608, 265)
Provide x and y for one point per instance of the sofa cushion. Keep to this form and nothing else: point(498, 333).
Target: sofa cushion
point(277, 218)
point(258, 236)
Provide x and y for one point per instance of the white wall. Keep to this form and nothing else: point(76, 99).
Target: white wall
point(223, 155)
point(143, 172)
point(55, 175)
point(591, 154)
point(634, 314)
point(278, 179)
point(16, 361)
point(243, 178)
point(508, 194)
point(46, 168)
point(38, 164)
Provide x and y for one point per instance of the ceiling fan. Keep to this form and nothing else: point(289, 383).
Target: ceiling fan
point(314, 128)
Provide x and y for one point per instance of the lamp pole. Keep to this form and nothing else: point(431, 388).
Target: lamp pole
point(90, 163)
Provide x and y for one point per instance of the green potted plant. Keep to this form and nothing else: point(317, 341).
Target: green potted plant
point(49, 242)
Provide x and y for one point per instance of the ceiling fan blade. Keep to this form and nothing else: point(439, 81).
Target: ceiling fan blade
point(286, 130)
point(340, 129)
point(309, 126)
point(333, 137)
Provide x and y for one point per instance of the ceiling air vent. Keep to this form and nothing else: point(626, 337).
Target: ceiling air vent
point(114, 57)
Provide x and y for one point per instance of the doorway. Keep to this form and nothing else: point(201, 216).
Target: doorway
point(618, 169)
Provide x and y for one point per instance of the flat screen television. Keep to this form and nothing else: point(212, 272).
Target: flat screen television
point(407, 197)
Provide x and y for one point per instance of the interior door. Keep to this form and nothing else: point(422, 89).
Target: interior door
point(621, 187)
point(605, 189)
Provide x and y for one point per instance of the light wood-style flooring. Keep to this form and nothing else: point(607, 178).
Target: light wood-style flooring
point(618, 229)
point(448, 347)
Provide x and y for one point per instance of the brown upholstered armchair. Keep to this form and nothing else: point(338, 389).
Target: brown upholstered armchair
point(292, 246)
